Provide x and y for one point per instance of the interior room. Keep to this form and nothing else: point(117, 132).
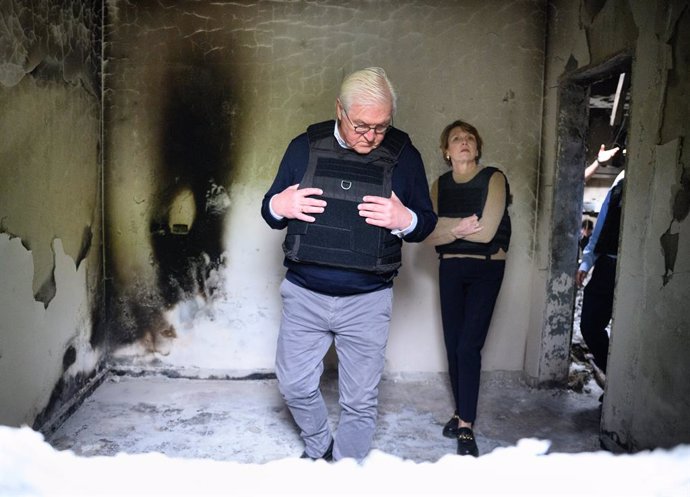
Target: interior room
point(137, 140)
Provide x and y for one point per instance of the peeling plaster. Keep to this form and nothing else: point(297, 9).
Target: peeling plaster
point(42, 38)
point(670, 177)
point(49, 131)
point(41, 347)
point(558, 325)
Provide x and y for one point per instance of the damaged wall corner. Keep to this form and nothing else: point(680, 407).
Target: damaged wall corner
point(648, 367)
point(50, 201)
point(34, 340)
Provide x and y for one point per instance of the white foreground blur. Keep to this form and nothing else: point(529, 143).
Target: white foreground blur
point(31, 467)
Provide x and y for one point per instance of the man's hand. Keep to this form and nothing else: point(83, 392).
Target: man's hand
point(298, 204)
point(605, 155)
point(580, 278)
point(384, 212)
point(467, 226)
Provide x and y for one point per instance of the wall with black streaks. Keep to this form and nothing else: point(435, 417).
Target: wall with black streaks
point(202, 101)
point(647, 396)
point(50, 205)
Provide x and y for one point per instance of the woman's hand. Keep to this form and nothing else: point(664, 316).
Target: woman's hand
point(467, 226)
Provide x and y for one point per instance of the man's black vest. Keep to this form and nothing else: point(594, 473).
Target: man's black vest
point(607, 243)
point(340, 236)
point(463, 200)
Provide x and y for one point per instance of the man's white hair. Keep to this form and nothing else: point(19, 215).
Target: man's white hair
point(368, 86)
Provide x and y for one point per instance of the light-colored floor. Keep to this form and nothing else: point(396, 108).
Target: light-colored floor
point(246, 420)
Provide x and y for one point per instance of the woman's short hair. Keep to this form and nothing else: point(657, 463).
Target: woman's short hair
point(466, 127)
point(368, 86)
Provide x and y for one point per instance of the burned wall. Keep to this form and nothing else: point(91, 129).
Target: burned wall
point(652, 341)
point(203, 99)
point(646, 396)
point(50, 205)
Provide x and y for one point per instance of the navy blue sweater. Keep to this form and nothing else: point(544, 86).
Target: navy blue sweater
point(409, 184)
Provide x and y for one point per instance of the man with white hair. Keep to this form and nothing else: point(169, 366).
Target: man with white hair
point(349, 192)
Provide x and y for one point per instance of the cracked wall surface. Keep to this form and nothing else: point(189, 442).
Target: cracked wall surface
point(42, 347)
point(266, 70)
point(50, 203)
point(201, 100)
point(646, 399)
point(653, 343)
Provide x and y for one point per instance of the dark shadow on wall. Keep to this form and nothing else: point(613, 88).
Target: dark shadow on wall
point(188, 216)
point(188, 206)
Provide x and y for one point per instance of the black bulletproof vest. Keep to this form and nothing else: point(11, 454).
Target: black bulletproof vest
point(340, 236)
point(608, 236)
point(463, 200)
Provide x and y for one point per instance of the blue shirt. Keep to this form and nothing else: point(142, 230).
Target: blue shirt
point(588, 256)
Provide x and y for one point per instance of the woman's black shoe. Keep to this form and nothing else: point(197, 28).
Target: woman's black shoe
point(450, 430)
point(467, 446)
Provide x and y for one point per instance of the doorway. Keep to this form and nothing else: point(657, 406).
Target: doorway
point(608, 118)
point(586, 105)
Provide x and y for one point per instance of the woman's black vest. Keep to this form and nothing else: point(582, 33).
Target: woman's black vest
point(463, 200)
point(607, 243)
point(340, 236)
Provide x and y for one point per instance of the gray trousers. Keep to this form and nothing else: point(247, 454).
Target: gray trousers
point(359, 325)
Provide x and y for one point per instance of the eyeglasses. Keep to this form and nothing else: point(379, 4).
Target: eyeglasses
point(363, 129)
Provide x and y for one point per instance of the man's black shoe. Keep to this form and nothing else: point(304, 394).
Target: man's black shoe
point(450, 430)
point(327, 456)
point(467, 445)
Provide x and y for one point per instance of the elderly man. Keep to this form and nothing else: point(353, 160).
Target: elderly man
point(349, 192)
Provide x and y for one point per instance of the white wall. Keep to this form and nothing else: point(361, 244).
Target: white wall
point(479, 61)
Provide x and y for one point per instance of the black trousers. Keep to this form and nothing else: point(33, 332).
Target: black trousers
point(468, 289)
point(597, 307)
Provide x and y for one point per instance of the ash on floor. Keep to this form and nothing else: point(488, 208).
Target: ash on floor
point(246, 420)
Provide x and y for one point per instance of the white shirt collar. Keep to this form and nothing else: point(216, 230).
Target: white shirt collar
point(336, 133)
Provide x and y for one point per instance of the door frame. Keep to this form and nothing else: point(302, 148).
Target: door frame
point(566, 216)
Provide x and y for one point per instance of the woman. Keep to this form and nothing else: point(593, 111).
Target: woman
point(472, 238)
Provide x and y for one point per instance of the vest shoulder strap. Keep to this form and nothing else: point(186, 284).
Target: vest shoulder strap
point(392, 145)
point(395, 141)
point(319, 131)
point(487, 172)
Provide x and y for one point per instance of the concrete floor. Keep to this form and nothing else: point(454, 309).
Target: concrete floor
point(246, 420)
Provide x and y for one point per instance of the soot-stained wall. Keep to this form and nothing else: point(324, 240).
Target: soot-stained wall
point(652, 339)
point(51, 342)
point(647, 396)
point(202, 100)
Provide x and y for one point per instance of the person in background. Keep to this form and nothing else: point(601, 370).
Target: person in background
point(472, 238)
point(601, 254)
point(349, 192)
point(585, 234)
point(603, 156)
